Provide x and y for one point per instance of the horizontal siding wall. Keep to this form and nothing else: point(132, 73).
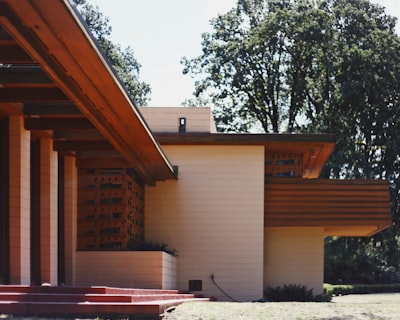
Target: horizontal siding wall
point(323, 202)
point(294, 255)
point(126, 269)
point(213, 216)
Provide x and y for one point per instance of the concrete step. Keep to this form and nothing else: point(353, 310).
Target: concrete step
point(44, 297)
point(90, 301)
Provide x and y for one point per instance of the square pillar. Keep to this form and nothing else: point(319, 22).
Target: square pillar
point(19, 186)
point(70, 217)
point(48, 212)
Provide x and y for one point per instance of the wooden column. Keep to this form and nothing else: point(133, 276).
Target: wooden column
point(19, 186)
point(48, 211)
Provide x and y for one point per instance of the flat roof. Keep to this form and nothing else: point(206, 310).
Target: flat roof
point(315, 148)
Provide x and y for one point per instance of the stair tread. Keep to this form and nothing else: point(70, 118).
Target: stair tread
point(105, 300)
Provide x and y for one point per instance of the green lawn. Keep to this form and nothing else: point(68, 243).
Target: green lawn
point(351, 307)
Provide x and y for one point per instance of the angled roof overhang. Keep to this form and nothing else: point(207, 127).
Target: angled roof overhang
point(53, 72)
point(314, 148)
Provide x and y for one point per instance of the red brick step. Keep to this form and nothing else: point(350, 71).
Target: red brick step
point(90, 301)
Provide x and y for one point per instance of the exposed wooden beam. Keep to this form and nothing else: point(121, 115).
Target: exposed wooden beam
point(23, 75)
point(51, 109)
point(7, 108)
point(78, 135)
point(103, 162)
point(11, 53)
point(4, 35)
point(58, 124)
point(82, 146)
point(32, 95)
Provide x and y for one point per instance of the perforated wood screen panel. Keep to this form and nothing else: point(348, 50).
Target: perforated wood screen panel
point(110, 210)
point(285, 165)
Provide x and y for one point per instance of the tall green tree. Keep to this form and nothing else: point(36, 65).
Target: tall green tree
point(122, 59)
point(329, 66)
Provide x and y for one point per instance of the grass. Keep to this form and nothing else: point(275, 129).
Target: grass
point(352, 307)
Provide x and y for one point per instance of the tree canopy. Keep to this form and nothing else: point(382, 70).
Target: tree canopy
point(327, 66)
point(279, 63)
point(122, 59)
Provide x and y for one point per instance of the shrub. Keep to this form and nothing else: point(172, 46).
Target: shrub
point(294, 292)
point(150, 246)
point(360, 288)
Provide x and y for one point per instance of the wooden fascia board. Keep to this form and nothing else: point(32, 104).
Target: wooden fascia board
point(273, 139)
point(360, 231)
point(56, 38)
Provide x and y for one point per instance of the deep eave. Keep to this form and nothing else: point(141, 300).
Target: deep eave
point(315, 148)
point(56, 72)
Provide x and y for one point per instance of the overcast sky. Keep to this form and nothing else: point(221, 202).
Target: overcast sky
point(161, 32)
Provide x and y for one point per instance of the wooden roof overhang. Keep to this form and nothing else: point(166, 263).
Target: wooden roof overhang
point(53, 72)
point(315, 148)
point(341, 207)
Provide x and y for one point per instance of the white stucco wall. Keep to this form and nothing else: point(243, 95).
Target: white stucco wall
point(294, 255)
point(213, 215)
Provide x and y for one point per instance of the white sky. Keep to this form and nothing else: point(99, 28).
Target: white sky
point(161, 32)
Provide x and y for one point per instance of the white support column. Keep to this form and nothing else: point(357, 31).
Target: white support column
point(70, 217)
point(20, 195)
point(48, 212)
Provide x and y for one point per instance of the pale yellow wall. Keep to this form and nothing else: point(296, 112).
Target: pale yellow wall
point(125, 269)
point(166, 119)
point(213, 216)
point(294, 255)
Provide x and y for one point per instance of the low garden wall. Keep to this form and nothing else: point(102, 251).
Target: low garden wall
point(126, 269)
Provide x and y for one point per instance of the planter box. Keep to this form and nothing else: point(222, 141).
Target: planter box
point(125, 269)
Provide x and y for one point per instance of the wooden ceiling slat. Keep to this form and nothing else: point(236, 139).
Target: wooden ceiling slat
point(58, 124)
point(32, 95)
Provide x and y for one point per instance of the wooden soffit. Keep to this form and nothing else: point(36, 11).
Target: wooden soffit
point(54, 74)
point(342, 207)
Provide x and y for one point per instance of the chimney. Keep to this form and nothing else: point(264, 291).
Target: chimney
point(182, 125)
